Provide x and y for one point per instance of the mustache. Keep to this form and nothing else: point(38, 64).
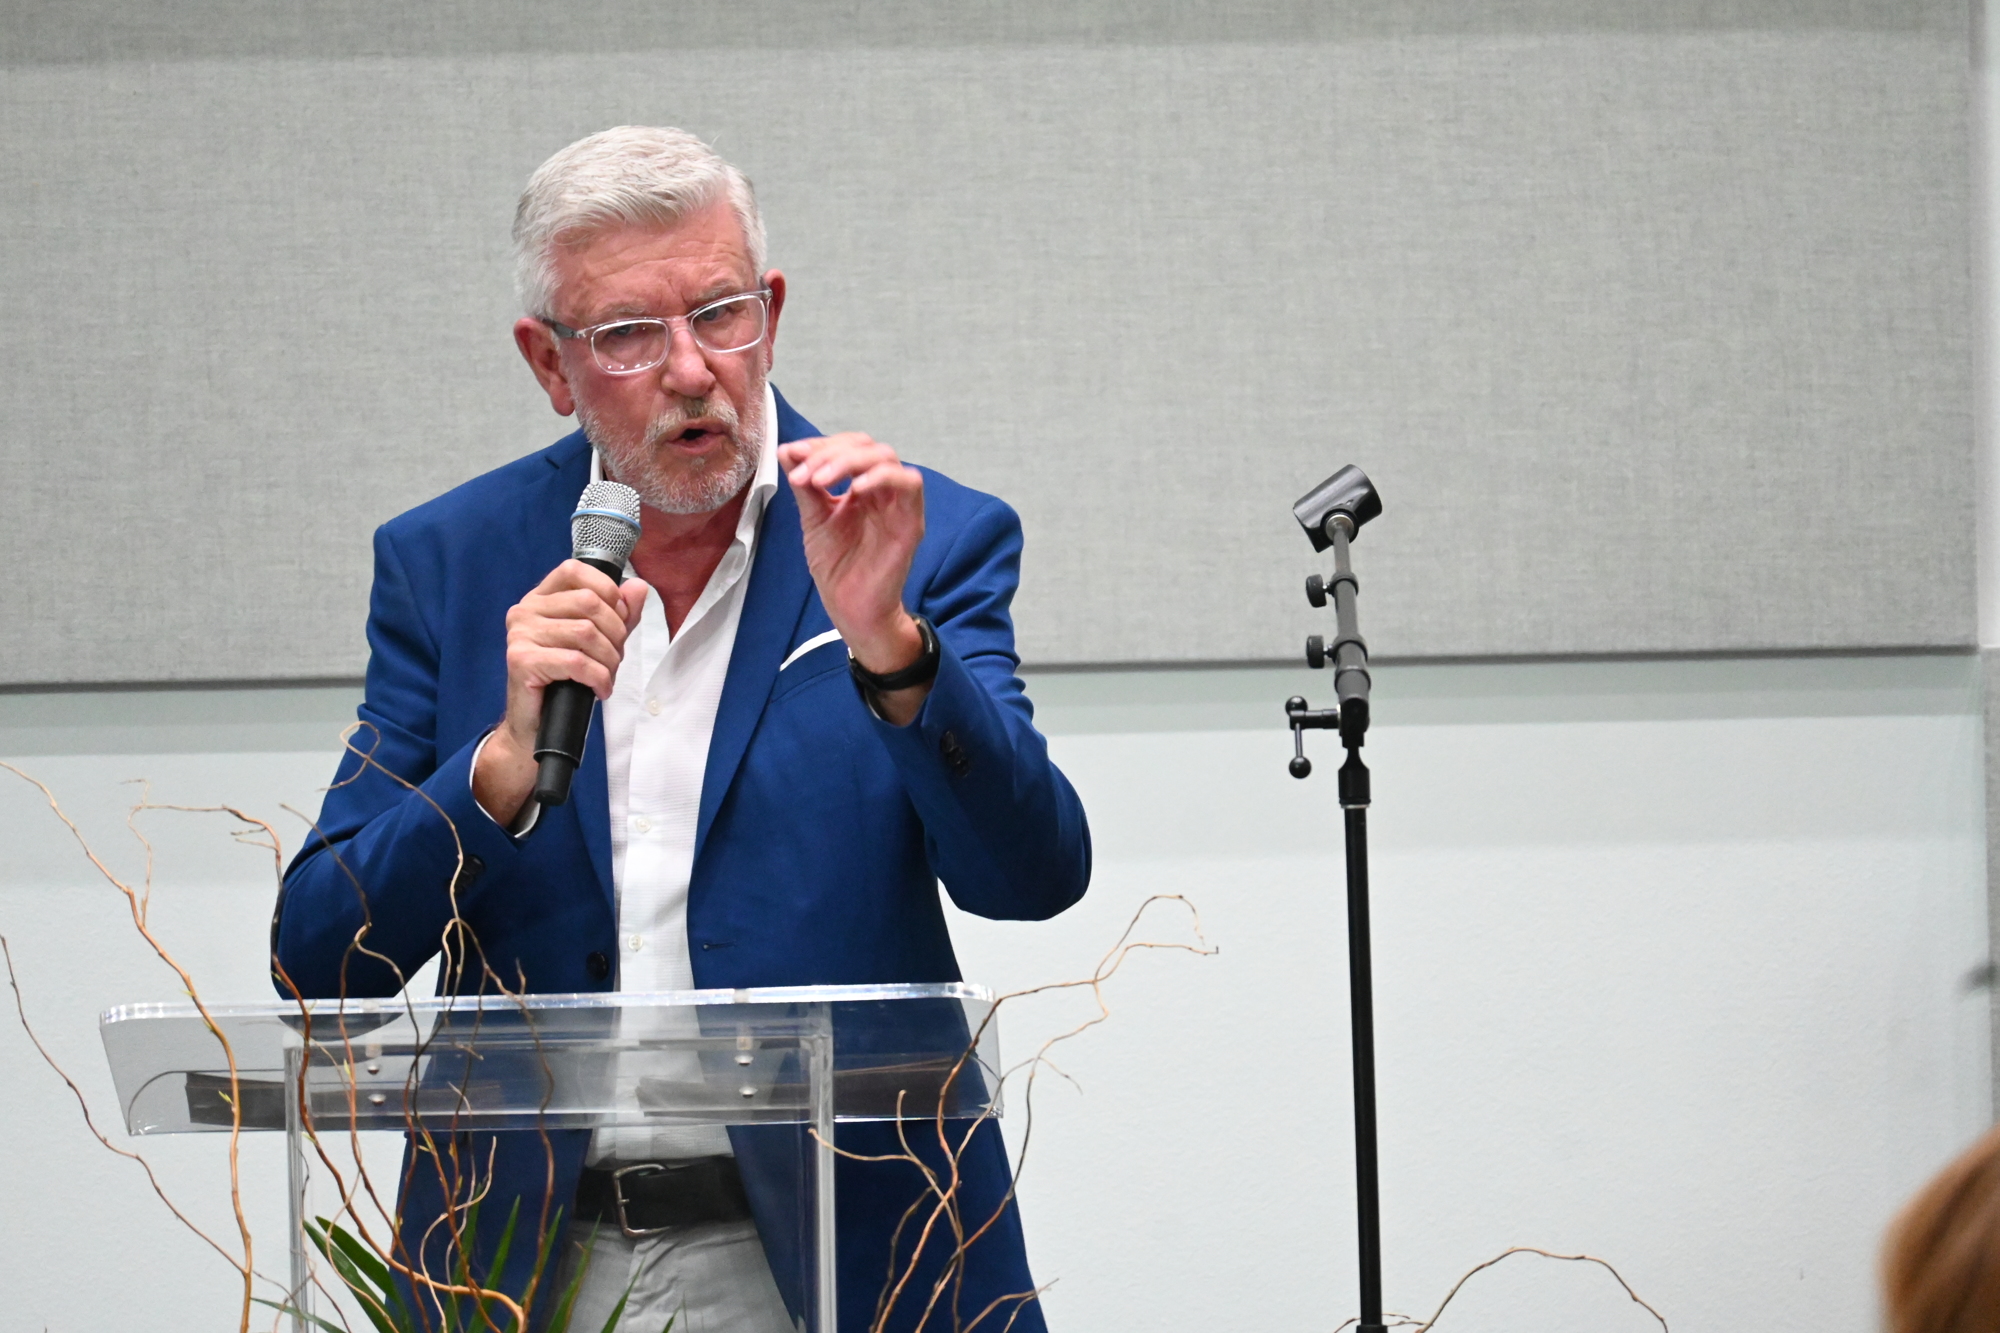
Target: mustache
point(677, 418)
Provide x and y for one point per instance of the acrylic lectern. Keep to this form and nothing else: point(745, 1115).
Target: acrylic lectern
point(330, 1074)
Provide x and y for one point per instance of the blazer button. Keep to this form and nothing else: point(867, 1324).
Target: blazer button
point(954, 754)
point(597, 965)
point(471, 869)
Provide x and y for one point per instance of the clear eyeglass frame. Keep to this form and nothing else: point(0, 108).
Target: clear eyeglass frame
point(759, 299)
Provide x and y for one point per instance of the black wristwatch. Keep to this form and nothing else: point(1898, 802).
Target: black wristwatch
point(920, 672)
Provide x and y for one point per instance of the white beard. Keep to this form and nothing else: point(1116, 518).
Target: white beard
point(674, 485)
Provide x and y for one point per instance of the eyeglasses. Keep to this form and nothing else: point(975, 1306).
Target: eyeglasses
point(628, 346)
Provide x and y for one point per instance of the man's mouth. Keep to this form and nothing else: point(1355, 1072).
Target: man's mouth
point(698, 434)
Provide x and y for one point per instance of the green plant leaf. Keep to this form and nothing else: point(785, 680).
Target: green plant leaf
point(506, 1242)
point(365, 1259)
point(500, 1252)
point(545, 1250)
point(371, 1301)
point(566, 1303)
point(373, 1283)
point(295, 1311)
point(611, 1324)
point(381, 1298)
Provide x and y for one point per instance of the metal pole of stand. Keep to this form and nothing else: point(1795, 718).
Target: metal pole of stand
point(300, 1297)
point(1361, 1001)
point(1356, 503)
point(1350, 686)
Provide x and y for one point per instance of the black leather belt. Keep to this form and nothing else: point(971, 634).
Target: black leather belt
point(649, 1197)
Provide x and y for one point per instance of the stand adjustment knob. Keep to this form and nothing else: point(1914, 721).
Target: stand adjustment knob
point(1315, 651)
point(1300, 715)
point(1315, 590)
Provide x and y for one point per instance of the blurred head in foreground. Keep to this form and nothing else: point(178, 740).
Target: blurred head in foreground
point(1941, 1259)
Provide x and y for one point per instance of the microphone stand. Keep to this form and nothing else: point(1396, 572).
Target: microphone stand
point(1349, 500)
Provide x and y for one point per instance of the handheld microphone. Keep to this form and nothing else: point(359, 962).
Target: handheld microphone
point(603, 531)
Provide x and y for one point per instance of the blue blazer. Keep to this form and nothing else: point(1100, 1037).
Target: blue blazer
point(822, 836)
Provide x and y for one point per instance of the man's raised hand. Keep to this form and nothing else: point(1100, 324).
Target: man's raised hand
point(859, 545)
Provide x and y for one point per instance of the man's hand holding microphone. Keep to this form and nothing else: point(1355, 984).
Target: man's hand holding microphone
point(564, 643)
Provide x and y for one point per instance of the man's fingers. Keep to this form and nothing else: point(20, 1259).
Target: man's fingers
point(575, 605)
point(814, 504)
point(572, 604)
point(632, 595)
point(871, 469)
point(830, 471)
point(574, 574)
point(828, 461)
point(890, 477)
point(795, 452)
point(579, 635)
point(536, 667)
point(573, 626)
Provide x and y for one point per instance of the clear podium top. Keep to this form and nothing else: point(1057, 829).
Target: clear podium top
point(559, 1061)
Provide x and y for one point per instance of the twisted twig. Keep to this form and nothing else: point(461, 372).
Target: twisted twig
point(1426, 1325)
point(139, 903)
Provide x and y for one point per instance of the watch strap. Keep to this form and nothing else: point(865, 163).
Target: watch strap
point(920, 672)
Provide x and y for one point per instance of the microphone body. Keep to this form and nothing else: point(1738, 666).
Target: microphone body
point(603, 530)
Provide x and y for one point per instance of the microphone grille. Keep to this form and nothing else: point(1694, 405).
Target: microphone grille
point(605, 525)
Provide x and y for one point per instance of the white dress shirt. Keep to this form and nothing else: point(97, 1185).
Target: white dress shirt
point(657, 725)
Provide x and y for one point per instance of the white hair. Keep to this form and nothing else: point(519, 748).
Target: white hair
point(633, 175)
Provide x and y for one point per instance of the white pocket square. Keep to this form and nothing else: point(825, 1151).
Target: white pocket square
point(816, 641)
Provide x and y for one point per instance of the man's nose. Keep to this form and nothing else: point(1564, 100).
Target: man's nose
point(685, 371)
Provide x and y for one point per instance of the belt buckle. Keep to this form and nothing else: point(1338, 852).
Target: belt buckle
point(618, 1175)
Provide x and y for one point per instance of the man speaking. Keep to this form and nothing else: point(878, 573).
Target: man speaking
point(809, 719)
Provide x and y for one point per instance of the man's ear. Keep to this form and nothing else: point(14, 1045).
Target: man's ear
point(538, 348)
point(776, 282)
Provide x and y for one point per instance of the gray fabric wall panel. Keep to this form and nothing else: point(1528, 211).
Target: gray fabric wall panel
point(1654, 341)
point(87, 30)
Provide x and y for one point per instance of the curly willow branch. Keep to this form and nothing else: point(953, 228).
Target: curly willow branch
point(138, 902)
point(90, 1121)
point(940, 1200)
point(462, 948)
point(1426, 1325)
point(462, 1191)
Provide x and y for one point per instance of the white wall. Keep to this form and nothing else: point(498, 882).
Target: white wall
point(1669, 962)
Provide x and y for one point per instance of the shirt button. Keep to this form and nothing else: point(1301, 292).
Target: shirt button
point(653, 707)
point(642, 824)
point(635, 942)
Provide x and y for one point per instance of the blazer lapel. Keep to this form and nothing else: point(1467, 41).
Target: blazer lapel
point(779, 583)
point(590, 797)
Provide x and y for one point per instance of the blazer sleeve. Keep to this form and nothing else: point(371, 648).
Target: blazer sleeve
point(400, 848)
point(1003, 828)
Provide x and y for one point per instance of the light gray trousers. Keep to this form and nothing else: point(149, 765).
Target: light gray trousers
point(707, 1279)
